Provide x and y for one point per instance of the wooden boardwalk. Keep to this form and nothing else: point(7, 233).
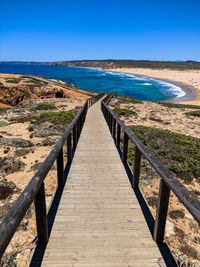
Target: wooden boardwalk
point(99, 221)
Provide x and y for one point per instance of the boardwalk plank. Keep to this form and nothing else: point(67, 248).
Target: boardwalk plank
point(99, 221)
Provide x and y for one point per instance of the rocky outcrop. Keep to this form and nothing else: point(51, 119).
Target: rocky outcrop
point(16, 94)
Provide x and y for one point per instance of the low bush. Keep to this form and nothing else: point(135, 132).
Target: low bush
point(180, 153)
point(175, 105)
point(126, 100)
point(124, 112)
point(62, 117)
point(45, 106)
point(193, 113)
point(14, 80)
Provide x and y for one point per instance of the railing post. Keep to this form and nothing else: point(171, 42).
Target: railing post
point(114, 128)
point(69, 148)
point(107, 115)
point(41, 216)
point(75, 136)
point(136, 172)
point(118, 135)
point(108, 119)
point(125, 147)
point(161, 214)
point(111, 122)
point(78, 128)
point(60, 169)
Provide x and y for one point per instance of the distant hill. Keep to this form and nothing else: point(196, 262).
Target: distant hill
point(110, 63)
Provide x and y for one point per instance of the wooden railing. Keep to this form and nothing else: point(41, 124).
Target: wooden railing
point(94, 99)
point(35, 190)
point(168, 180)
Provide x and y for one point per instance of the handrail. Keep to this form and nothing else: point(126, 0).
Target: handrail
point(35, 191)
point(94, 99)
point(168, 181)
point(107, 99)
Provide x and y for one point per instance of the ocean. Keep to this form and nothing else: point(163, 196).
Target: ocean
point(96, 80)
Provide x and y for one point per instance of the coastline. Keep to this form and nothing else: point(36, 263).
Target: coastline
point(188, 81)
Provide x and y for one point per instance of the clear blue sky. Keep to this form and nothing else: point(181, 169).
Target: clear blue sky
point(49, 30)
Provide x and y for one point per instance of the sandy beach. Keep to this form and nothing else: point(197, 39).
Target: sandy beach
point(187, 77)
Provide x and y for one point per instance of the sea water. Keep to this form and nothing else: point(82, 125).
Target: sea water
point(97, 80)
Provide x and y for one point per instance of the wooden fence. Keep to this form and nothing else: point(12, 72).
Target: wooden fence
point(168, 180)
point(35, 190)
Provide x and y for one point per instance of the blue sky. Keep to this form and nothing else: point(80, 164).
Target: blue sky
point(49, 30)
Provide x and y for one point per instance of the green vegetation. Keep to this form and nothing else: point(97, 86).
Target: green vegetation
point(32, 81)
point(194, 113)
point(174, 105)
point(126, 100)
point(14, 80)
point(62, 117)
point(45, 106)
point(186, 65)
point(40, 76)
point(2, 110)
point(124, 112)
point(180, 153)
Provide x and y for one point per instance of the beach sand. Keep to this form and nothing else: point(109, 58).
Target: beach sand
point(187, 77)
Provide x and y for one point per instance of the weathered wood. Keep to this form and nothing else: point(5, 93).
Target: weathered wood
point(75, 136)
point(69, 148)
point(114, 129)
point(41, 216)
point(188, 199)
point(125, 147)
point(60, 169)
point(12, 220)
point(136, 171)
point(111, 123)
point(99, 218)
point(161, 214)
point(118, 135)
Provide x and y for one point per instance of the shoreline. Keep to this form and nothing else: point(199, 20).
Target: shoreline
point(192, 93)
point(189, 91)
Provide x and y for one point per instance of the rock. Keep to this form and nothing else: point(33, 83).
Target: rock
point(8, 260)
point(30, 128)
point(3, 123)
point(10, 165)
point(13, 95)
point(16, 142)
point(7, 188)
point(4, 209)
point(44, 132)
point(159, 117)
point(22, 152)
point(36, 166)
point(23, 118)
point(49, 141)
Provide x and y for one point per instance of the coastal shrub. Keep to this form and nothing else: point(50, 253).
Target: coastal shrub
point(2, 110)
point(23, 118)
point(180, 153)
point(124, 112)
point(13, 80)
point(193, 113)
point(45, 106)
point(63, 117)
point(126, 100)
point(32, 81)
point(175, 105)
